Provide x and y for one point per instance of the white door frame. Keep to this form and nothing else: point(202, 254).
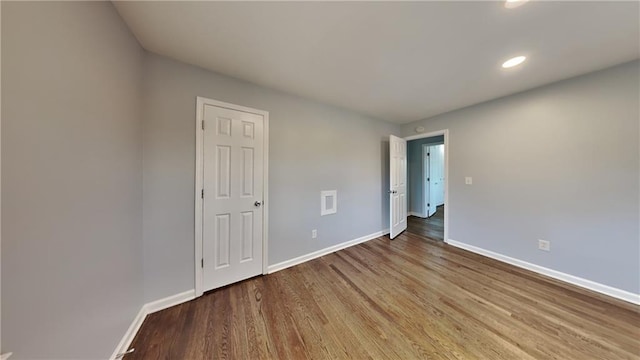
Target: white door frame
point(199, 202)
point(444, 132)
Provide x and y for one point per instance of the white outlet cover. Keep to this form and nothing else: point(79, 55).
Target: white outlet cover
point(468, 180)
point(544, 245)
point(314, 233)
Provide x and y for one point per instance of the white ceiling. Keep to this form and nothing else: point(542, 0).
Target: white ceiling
point(397, 61)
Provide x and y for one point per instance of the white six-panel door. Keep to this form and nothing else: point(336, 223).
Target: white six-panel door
point(232, 218)
point(398, 182)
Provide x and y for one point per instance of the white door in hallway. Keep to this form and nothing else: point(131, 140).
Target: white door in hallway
point(232, 211)
point(436, 177)
point(398, 184)
point(428, 204)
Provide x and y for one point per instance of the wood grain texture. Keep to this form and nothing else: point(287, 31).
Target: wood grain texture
point(408, 298)
point(431, 227)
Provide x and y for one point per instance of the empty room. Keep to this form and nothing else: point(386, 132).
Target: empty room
point(320, 180)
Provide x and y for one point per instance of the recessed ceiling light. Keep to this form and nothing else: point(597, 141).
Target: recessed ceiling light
point(511, 4)
point(514, 62)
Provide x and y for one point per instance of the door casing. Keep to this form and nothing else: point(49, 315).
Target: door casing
point(199, 183)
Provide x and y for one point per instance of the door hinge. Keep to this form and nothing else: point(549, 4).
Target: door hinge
point(202, 263)
point(428, 154)
point(202, 124)
point(428, 205)
point(428, 179)
point(202, 194)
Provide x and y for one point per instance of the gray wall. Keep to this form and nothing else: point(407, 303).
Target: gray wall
point(559, 163)
point(98, 175)
point(312, 147)
point(71, 179)
point(1, 352)
point(415, 173)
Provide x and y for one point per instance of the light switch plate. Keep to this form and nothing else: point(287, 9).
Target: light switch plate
point(468, 180)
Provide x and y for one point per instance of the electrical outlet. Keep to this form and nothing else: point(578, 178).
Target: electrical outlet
point(314, 233)
point(468, 180)
point(544, 245)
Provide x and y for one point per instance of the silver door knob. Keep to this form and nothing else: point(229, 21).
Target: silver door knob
point(257, 203)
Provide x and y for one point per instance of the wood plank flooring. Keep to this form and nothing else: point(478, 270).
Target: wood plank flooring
point(431, 227)
point(408, 298)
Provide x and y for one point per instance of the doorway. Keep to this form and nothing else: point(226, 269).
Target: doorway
point(432, 176)
point(231, 193)
point(427, 185)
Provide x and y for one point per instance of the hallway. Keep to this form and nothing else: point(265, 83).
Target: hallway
point(432, 227)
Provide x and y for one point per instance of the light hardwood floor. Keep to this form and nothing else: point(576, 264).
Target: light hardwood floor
point(431, 227)
point(409, 298)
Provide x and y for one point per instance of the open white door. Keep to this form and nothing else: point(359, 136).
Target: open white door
point(429, 206)
point(435, 178)
point(437, 154)
point(398, 181)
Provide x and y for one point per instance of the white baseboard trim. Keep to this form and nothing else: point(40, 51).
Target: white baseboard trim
point(130, 334)
point(169, 301)
point(5, 356)
point(147, 309)
point(316, 254)
point(420, 215)
point(571, 279)
point(182, 297)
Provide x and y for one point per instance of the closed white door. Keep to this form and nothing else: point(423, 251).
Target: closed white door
point(398, 182)
point(233, 170)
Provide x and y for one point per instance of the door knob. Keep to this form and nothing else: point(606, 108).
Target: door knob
point(257, 203)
